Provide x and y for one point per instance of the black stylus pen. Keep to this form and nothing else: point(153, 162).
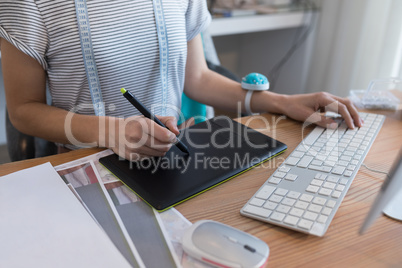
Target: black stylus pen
point(145, 112)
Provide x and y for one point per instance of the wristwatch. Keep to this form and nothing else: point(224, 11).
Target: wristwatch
point(253, 82)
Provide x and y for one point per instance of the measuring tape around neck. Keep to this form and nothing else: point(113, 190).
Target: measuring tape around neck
point(89, 58)
point(163, 50)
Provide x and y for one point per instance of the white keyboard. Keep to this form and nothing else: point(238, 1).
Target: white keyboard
point(305, 192)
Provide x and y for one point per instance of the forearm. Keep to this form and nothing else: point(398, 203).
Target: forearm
point(215, 90)
point(209, 87)
point(57, 125)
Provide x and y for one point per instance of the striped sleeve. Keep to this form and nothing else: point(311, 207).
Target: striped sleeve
point(21, 24)
point(197, 18)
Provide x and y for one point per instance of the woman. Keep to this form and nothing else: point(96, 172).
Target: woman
point(41, 45)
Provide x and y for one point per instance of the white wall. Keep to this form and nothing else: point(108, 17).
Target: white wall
point(357, 41)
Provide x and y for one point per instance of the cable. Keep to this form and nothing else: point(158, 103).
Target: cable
point(298, 40)
point(375, 170)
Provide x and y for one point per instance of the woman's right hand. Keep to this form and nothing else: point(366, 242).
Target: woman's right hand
point(138, 137)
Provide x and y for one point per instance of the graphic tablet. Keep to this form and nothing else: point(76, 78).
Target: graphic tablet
point(220, 149)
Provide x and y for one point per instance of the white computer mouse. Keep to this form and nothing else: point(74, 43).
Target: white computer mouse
point(223, 246)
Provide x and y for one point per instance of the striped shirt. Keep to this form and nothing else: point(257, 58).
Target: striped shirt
point(125, 45)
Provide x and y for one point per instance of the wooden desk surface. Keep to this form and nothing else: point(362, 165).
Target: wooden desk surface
point(341, 246)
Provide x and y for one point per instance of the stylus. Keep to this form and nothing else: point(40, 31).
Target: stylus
point(145, 112)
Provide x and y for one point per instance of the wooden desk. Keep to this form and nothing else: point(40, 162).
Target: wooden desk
point(341, 246)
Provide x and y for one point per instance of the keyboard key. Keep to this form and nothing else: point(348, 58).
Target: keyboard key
point(274, 180)
point(343, 163)
point(348, 173)
point(332, 158)
point(305, 161)
point(296, 212)
point(257, 202)
point(315, 208)
point(346, 158)
point(283, 209)
point(281, 191)
point(322, 219)
point(333, 179)
point(297, 154)
point(329, 185)
point(319, 144)
point(293, 194)
point(319, 176)
point(303, 148)
point(351, 167)
point(270, 205)
point(354, 144)
point(288, 201)
point(306, 197)
point(291, 220)
point(305, 224)
point(326, 211)
point(349, 153)
point(310, 215)
point(314, 167)
point(265, 192)
point(290, 177)
point(326, 169)
point(342, 145)
point(301, 204)
point(340, 187)
point(313, 136)
point(316, 182)
point(320, 168)
point(331, 203)
point(285, 169)
point(336, 194)
point(262, 212)
point(330, 163)
point(279, 174)
point(319, 200)
point(338, 170)
point(276, 198)
point(325, 191)
point(312, 189)
point(292, 161)
point(276, 216)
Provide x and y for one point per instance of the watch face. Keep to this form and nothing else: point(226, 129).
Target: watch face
point(255, 81)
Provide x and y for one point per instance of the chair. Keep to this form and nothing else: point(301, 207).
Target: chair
point(21, 146)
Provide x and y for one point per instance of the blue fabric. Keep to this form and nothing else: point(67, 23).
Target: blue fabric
point(191, 108)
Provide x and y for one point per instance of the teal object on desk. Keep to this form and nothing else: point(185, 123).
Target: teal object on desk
point(191, 108)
